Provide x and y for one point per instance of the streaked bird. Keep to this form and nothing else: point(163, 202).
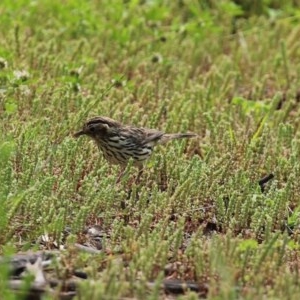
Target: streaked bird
point(119, 143)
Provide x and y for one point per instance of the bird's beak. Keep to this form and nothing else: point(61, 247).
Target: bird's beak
point(78, 134)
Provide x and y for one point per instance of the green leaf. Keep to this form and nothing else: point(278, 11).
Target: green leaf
point(248, 244)
point(6, 150)
point(10, 107)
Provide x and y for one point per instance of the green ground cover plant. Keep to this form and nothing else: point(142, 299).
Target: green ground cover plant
point(226, 70)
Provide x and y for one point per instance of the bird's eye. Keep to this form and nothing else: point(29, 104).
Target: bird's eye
point(92, 129)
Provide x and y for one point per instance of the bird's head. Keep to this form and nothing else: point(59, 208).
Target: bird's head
point(97, 127)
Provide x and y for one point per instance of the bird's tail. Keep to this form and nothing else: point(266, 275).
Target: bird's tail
point(173, 136)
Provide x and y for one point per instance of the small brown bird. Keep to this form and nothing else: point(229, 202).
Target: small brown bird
point(119, 143)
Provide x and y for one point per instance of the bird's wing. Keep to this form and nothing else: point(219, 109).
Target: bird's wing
point(141, 136)
point(152, 135)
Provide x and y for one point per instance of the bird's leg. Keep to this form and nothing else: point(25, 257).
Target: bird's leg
point(123, 202)
point(136, 180)
point(140, 173)
point(122, 173)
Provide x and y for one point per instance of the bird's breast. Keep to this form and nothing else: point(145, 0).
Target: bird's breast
point(120, 150)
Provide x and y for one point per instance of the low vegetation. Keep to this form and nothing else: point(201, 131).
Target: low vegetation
point(200, 218)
